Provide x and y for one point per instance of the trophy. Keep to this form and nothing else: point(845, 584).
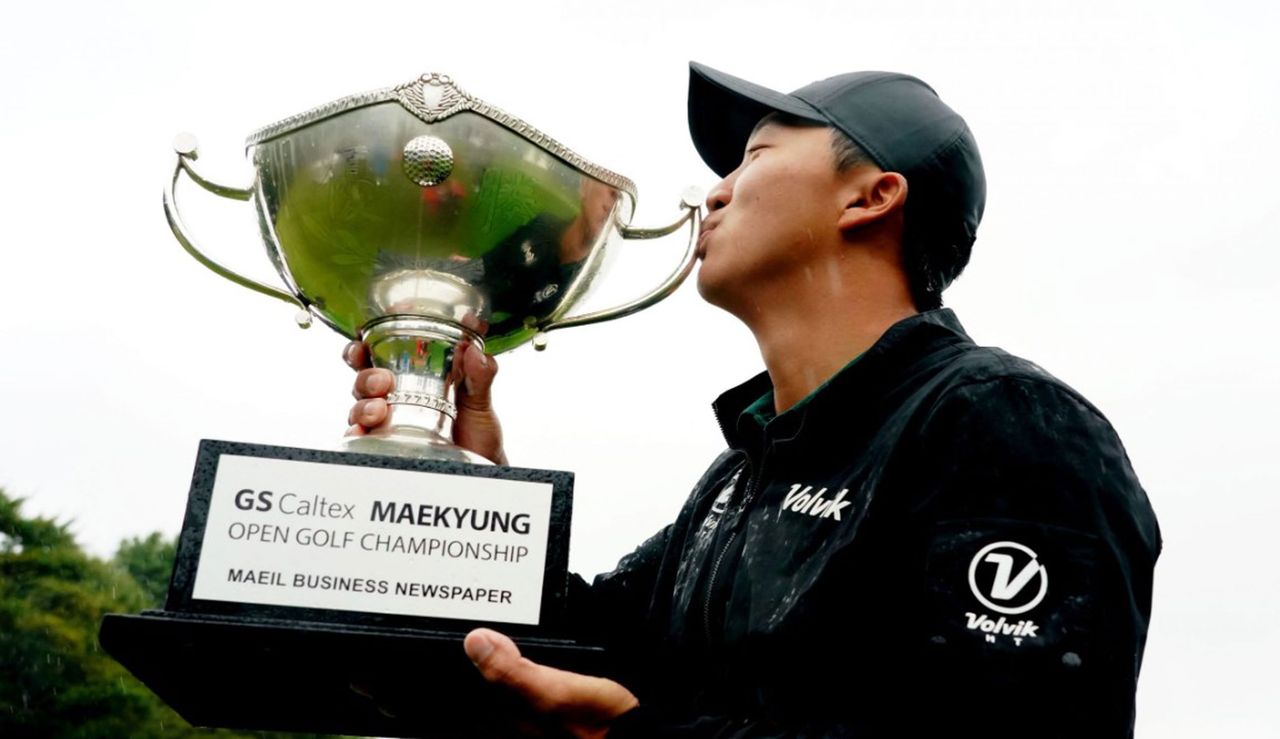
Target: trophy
point(328, 590)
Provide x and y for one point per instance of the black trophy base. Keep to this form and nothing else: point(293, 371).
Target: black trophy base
point(267, 674)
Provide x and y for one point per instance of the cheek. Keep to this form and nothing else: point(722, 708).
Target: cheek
point(777, 215)
point(774, 194)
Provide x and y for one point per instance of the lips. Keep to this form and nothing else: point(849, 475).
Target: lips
point(707, 228)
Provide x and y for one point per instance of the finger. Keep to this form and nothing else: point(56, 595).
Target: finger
point(478, 371)
point(356, 355)
point(372, 383)
point(499, 661)
point(355, 429)
point(546, 689)
point(368, 413)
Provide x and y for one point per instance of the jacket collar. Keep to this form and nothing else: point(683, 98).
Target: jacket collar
point(895, 355)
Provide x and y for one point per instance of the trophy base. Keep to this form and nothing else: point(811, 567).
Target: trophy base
point(324, 591)
point(265, 674)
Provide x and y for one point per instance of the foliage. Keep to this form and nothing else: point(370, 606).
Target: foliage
point(54, 679)
point(149, 562)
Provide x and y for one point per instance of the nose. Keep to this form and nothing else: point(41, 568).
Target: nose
point(720, 195)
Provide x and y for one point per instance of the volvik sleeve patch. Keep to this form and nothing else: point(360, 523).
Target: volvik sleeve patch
point(1014, 590)
point(1038, 545)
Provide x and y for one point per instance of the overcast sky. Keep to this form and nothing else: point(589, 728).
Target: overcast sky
point(1129, 247)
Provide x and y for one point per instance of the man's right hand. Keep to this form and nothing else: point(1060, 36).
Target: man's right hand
point(476, 428)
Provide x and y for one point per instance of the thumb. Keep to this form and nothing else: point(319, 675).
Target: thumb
point(498, 659)
point(546, 689)
point(478, 371)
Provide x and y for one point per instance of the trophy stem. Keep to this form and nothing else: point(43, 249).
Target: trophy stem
point(424, 355)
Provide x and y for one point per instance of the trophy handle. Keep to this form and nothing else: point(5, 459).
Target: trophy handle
point(692, 203)
point(185, 147)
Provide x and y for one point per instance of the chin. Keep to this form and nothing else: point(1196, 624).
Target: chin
point(705, 282)
point(714, 289)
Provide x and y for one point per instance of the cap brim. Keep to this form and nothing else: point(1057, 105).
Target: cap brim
point(723, 110)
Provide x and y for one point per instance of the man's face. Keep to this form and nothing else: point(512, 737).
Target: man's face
point(770, 218)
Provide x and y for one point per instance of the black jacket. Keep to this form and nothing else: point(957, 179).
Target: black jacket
point(946, 540)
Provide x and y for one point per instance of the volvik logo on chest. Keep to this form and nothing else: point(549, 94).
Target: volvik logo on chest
point(802, 499)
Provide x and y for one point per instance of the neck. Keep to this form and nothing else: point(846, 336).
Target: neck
point(814, 332)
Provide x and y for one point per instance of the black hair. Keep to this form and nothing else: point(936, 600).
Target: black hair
point(933, 253)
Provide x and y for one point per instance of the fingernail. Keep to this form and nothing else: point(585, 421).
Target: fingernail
point(482, 358)
point(377, 383)
point(479, 648)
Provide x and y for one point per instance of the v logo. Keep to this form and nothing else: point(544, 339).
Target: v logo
point(1002, 588)
point(1006, 592)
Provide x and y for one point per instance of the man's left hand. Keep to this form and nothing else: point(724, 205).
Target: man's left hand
point(583, 705)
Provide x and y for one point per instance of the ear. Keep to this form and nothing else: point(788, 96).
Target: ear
point(872, 196)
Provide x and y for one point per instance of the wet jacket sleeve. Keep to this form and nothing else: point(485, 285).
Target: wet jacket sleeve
point(1038, 548)
point(614, 609)
point(1027, 557)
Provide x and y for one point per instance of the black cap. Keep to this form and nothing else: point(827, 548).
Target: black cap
point(898, 120)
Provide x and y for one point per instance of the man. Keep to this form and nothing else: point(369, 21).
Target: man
point(909, 535)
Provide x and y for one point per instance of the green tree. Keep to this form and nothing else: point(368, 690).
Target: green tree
point(54, 680)
point(149, 561)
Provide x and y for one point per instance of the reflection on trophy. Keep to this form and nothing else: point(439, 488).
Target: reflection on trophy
point(420, 220)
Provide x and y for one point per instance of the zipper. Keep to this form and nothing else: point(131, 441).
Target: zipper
point(720, 422)
point(715, 567)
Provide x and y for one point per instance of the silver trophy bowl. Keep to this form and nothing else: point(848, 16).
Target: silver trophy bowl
point(420, 220)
